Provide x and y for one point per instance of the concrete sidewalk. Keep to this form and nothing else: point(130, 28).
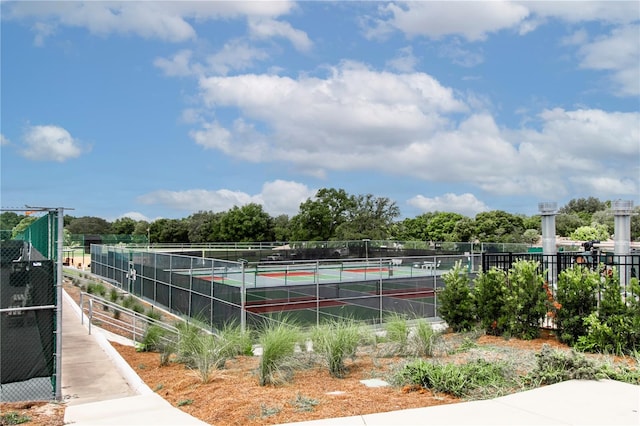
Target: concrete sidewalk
point(574, 402)
point(101, 389)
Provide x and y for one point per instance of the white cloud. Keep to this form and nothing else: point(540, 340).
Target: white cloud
point(179, 65)
point(137, 216)
point(264, 28)
point(411, 125)
point(619, 52)
point(167, 21)
point(4, 140)
point(405, 61)
point(277, 197)
point(471, 20)
point(50, 143)
point(466, 204)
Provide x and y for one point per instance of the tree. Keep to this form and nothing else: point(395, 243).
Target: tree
point(89, 225)
point(597, 232)
point(499, 226)
point(416, 228)
point(370, 217)
point(202, 226)
point(8, 220)
point(566, 223)
point(465, 230)
point(281, 228)
point(169, 231)
point(246, 223)
point(22, 225)
point(584, 207)
point(320, 217)
point(531, 236)
point(123, 226)
point(441, 226)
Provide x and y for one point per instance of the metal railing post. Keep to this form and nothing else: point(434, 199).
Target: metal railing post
point(90, 313)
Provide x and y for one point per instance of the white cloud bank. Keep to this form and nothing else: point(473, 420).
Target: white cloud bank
point(277, 197)
point(465, 204)
point(411, 125)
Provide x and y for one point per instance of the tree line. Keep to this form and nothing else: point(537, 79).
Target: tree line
point(335, 215)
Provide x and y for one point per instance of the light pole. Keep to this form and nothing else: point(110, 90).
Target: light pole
point(148, 238)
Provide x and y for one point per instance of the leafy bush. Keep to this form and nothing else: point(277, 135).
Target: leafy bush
point(13, 418)
point(336, 341)
point(490, 291)
point(615, 327)
point(576, 295)
point(456, 302)
point(554, 366)
point(526, 304)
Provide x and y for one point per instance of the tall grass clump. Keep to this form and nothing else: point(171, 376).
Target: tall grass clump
point(201, 351)
point(152, 339)
point(336, 341)
point(396, 329)
point(238, 341)
point(278, 340)
point(422, 339)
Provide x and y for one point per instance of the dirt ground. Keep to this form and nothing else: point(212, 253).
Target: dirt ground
point(234, 396)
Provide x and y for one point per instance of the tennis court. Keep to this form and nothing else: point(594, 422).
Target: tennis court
point(299, 274)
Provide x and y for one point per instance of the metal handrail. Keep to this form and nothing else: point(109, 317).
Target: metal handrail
point(136, 328)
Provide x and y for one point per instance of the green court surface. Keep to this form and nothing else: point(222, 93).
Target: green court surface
point(304, 274)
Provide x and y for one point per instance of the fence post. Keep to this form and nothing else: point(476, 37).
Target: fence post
point(380, 290)
point(90, 313)
point(317, 279)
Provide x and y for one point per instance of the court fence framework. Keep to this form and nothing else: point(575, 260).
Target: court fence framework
point(219, 292)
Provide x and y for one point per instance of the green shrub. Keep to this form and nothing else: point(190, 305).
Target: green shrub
point(526, 303)
point(490, 294)
point(459, 380)
point(456, 302)
point(13, 418)
point(336, 341)
point(576, 296)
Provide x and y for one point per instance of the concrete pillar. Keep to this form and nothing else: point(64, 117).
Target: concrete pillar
point(622, 210)
point(548, 217)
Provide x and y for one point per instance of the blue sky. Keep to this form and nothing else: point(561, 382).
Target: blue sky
point(163, 109)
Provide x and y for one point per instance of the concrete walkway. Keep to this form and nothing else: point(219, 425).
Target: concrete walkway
point(101, 389)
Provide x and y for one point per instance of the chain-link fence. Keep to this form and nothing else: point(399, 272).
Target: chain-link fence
point(218, 292)
point(27, 323)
